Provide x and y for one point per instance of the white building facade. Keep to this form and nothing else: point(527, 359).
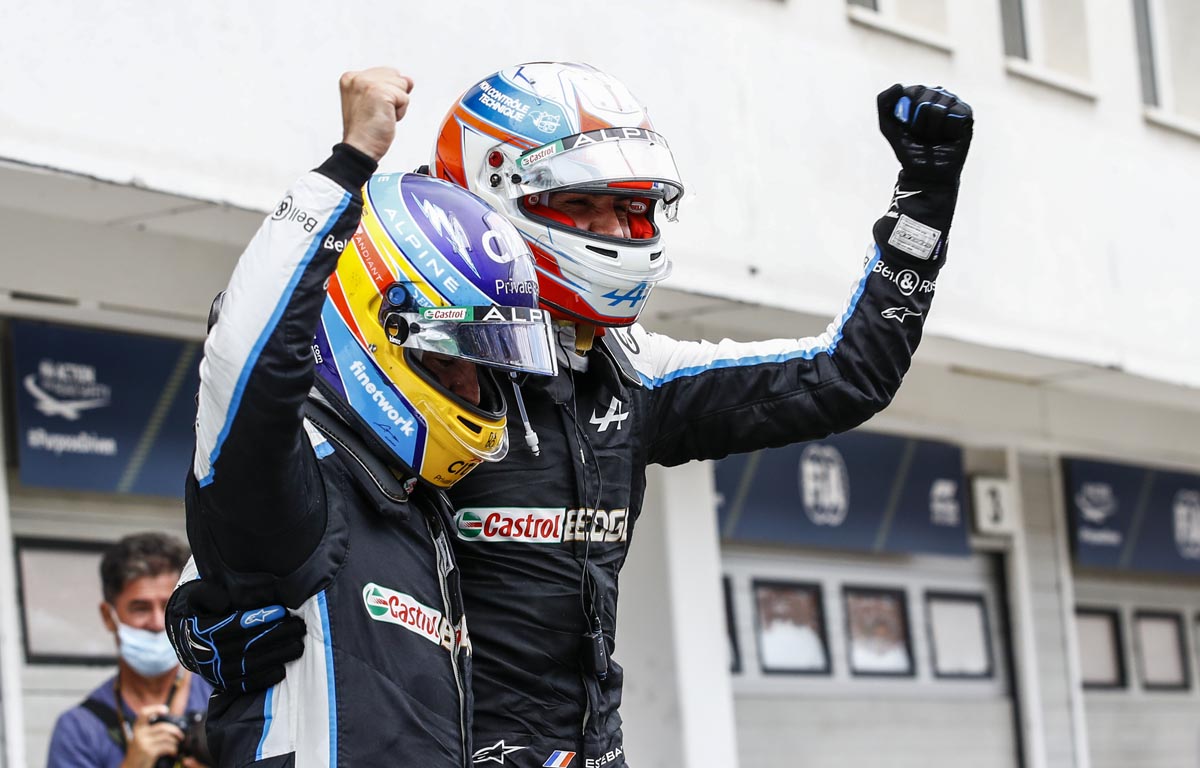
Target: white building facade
point(1051, 618)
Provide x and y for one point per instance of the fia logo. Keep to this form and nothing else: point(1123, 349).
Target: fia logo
point(1187, 523)
point(824, 485)
point(616, 414)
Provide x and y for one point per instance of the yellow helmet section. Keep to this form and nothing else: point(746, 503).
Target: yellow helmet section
point(458, 435)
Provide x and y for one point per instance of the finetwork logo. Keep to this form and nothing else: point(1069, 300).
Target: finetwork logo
point(377, 395)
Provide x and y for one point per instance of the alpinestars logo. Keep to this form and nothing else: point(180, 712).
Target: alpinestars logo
point(495, 753)
point(899, 314)
point(616, 414)
point(898, 195)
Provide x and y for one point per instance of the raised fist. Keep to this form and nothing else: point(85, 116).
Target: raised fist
point(373, 101)
point(929, 130)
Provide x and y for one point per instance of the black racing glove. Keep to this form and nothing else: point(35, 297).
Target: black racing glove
point(930, 131)
point(237, 651)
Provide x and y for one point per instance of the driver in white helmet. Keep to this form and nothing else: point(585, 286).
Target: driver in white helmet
point(570, 156)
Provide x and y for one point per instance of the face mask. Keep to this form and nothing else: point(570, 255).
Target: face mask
point(149, 653)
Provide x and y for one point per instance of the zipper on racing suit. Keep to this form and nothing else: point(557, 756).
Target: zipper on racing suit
point(445, 565)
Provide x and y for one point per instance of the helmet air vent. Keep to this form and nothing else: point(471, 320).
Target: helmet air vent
point(471, 425)
point(603, 251)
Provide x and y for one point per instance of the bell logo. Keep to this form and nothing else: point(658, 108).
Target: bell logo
point(470, 525)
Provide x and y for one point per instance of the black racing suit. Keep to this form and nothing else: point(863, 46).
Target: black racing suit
point(286, 505)
point(529, 527)
point(540, 540)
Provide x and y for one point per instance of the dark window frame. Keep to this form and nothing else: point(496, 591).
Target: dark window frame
point(47, 544)
point(815, 587)
point(735, 663)
point(1118, 637)
point(1143, 31)
point(976, 598)
point(906, 625)
point(1014, 30)
point(1184, 651)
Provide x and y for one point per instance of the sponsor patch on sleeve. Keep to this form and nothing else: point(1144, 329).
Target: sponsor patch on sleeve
point(914, 238)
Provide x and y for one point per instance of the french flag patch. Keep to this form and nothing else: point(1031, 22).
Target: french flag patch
point(559, 759)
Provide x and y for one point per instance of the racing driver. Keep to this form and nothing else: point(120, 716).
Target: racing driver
point(571, 158)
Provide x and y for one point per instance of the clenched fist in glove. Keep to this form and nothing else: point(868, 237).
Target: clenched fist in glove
point(930, 131)
point(235, 650)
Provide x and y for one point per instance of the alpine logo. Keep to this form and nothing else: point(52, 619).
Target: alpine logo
point(541, 525)
point(449, 227)
point(899, 314)
point(616, 414)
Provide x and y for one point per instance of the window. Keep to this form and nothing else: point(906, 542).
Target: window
point(1161, 654)
point(877, 632)
point(958, 635)
point(1101, 653)
point(920, 21)
point(735, 657)
point(60, 597)
point(791, 628)
point(1169, 59)
point(1051, 35)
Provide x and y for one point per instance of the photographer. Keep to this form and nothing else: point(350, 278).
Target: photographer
point(150, 714)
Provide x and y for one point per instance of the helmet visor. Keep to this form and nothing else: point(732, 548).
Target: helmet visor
point(508, 338)
point(599, 158)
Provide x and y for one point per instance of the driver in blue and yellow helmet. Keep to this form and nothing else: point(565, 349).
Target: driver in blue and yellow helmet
point(354, 370)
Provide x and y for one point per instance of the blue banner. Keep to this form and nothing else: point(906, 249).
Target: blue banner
point(857, 491)
point(1133, 518)
point(102, 411)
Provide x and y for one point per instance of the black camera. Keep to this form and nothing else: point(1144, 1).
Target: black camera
point(195, 742)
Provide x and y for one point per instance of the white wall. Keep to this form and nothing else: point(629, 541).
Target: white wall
point(1072, 238)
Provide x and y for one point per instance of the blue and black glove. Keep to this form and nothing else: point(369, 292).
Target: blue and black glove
point(930, 131)
point(237, 651)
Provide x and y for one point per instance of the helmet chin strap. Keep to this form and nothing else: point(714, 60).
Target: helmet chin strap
point(585, 337)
